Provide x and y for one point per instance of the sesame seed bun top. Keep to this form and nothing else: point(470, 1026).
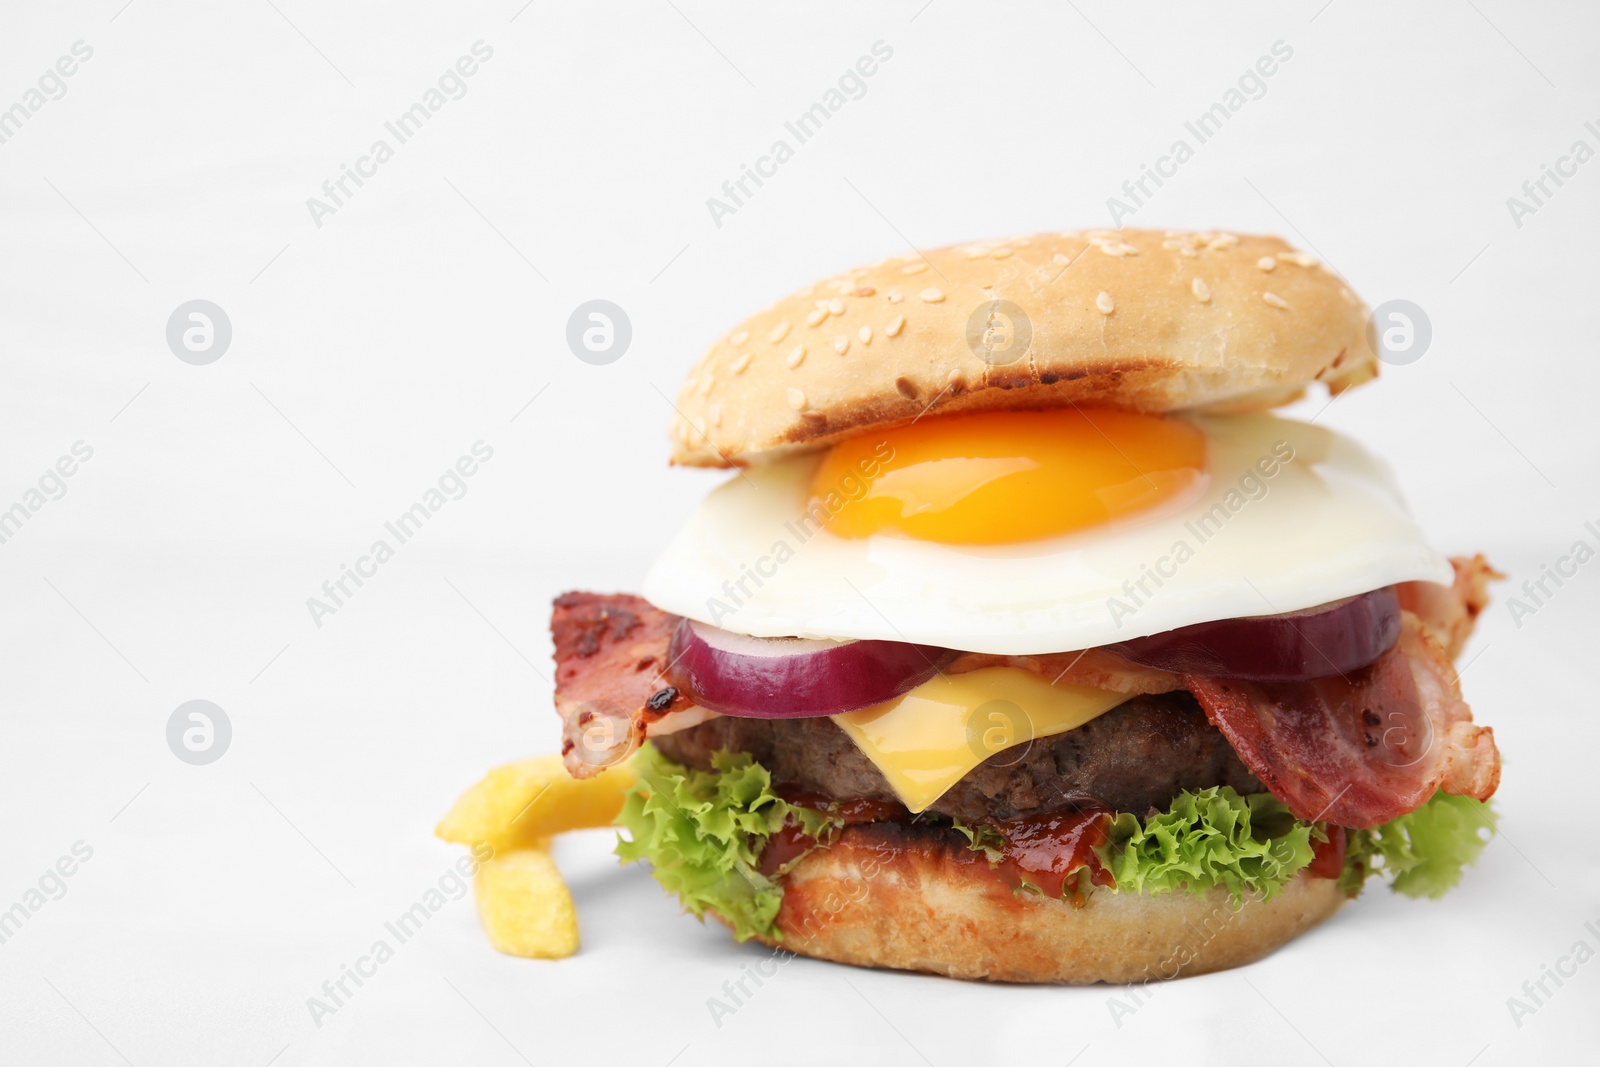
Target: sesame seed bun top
point(1139, 319)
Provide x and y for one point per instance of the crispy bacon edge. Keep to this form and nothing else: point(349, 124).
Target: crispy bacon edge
point(1450, 612)
point(1361, 750)
point(611, 689)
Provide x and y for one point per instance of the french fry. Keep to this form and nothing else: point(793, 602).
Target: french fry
point(518, 804)
point(525, 907)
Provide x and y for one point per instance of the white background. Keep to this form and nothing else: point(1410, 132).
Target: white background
point(369, 353)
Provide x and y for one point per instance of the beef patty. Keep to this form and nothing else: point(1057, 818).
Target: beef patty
point(1136, 757)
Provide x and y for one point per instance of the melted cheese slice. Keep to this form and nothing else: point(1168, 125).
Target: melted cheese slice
point(927, 740)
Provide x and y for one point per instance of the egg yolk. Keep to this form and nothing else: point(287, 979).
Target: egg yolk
point(1004, 476)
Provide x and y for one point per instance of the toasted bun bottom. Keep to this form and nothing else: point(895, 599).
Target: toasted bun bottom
point(889, 895)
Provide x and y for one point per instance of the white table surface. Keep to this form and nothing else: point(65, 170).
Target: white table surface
point(370, 352)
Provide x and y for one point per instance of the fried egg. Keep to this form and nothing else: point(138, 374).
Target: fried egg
point(1021, 533)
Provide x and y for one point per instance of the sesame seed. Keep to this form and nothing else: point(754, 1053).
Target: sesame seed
point(1202, 291)
point(738, 365)
point(1000, 253)
point(1226, 240)
point(706, 383)
point(907, 388)
point(894, 327)
point(1266, 263)
point(861, 290)
point(739, 338)
point(895, 296)
point(1299, 259)
point(714, 414)
point(1061, 260)
point(913, 268)
point(1172, 244)
point(779, 332)
point(797, 399)
point(841, 344)
point(1188, 250)
point(865, 333)
point(836, 307)
point(796, 356)
point(957, 380)
point(1349, 297)
point(1103, 302)
point(816, 316)
point(931, 296)
point(1275, 300)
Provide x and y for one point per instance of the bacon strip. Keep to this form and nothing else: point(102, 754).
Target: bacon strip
point(1097, 668)
point(1451, 611)
point(1354, 751)
point(1362, 749)
point(611, 658)
point(611, 689)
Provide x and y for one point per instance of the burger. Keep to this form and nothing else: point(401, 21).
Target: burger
point(1023, 643)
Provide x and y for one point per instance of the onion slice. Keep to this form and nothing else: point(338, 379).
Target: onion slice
point(792, 677)
point(1318, 642)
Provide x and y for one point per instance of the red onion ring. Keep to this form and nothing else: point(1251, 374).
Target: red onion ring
point(1329, 639)
point(792, 677)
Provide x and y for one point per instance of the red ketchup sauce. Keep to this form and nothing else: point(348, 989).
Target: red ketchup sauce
point(1048, 851)
point(791, 841)
point(861, 809)
point(1327, 857)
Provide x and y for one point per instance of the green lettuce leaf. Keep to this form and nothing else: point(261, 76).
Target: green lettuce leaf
point(1422, 854)
point(703, 832)
point(981, 838)
point(1215, 837)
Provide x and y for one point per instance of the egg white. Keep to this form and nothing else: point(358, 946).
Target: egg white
point(1327, 523)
